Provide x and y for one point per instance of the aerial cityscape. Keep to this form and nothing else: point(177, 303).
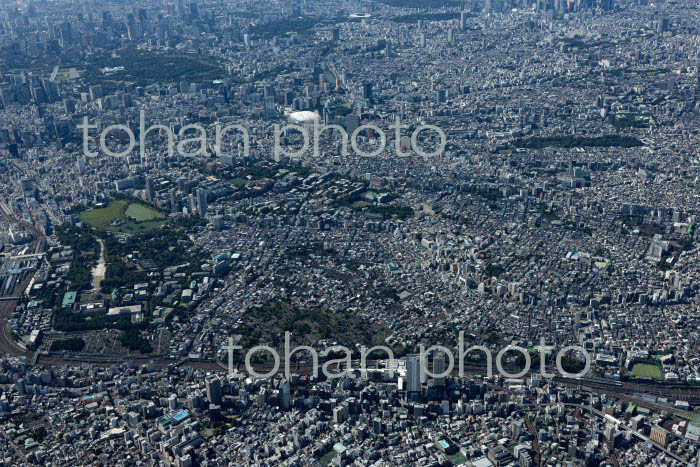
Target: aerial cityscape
point(349, 233)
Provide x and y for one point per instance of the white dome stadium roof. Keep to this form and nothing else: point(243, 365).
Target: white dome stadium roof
point(304, 116)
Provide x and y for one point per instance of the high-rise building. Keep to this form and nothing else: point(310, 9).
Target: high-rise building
point(439, 368)
point(608, 5)
point(96, 92)
point(270, 109)
point(285, 394)
point(413, 374)
point(180, 8)
point(659, 435)
point(441, 96)
point(150, 190)
point(182, 185)
point(367, 91)
point(194, 11)
point(192, 205)
point(493, 5)
point(69, 106)
point(66, 31)
point(173, 200)
point(107, 18)
point(202, 202)
point(352, 122)
point(214, 394)
point(81, 164)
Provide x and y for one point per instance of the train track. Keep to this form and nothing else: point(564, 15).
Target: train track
point(9, 347)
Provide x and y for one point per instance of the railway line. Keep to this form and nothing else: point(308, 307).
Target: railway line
point(8, 346)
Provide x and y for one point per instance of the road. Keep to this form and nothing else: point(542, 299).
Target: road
point(99, 271)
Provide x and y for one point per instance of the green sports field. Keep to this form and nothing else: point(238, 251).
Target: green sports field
point(646, 370)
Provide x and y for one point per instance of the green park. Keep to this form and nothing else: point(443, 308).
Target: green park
point(124, 216)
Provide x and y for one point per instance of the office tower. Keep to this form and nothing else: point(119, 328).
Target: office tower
point(608, 5)
point(352, 122)
point(288, 98)
point(367, 91)
point(173, 200)
point(131, 27)
point(215, 412)
point(336, 34)
point(413, 374)
point(182, 185)
point(422, 40)
point(463, 21)
point(96, 92)
point(143, 16)
point(493, 5)
point(213, 384)
point(38, 95)
point(270, 109)
point(66, 31)
point(659, 435)
point(439, 368)
point(194, 10)
point(202, 202)
point(107, 18)
point(441, 96)
point(150, 190)
point(192, 204)
point(81, 164)
point(285, 394)
point(450, 35)
point(69, 106)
